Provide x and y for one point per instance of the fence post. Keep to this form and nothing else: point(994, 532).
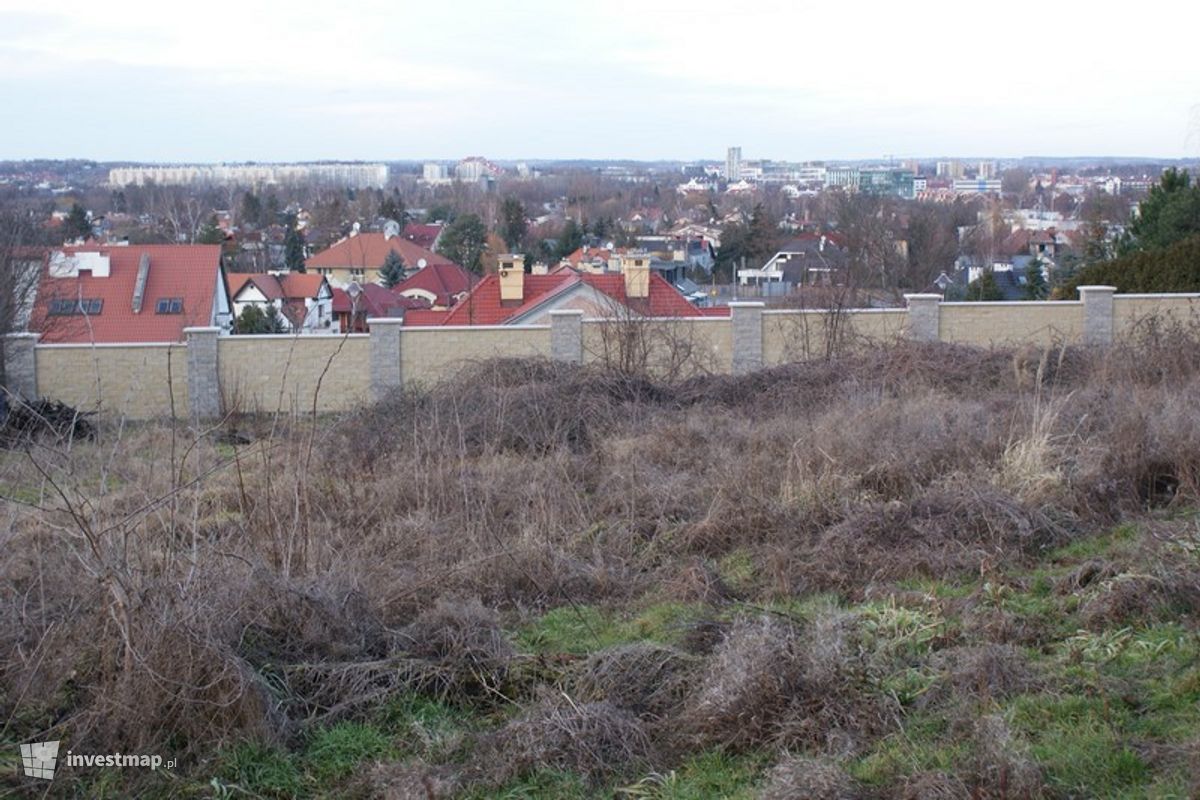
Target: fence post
point(203, 373)
point(924, 317)
point(566, 336)
point(746, 319)
point(20, 364)
point(386, 371)
point(1097, 313)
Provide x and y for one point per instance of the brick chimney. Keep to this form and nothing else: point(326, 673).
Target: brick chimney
point(512, 277)
point(636, 267)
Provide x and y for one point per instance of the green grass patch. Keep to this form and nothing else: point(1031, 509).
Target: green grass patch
point(259, 770)
point(335, 752)
point(585, 629)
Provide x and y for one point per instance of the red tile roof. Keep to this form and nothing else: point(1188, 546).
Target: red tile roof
point(288, 286)
point(422, 234)
point(187, 272)
point(375, 301)
point(368, 251)
point(483, 306)
point(445, 281)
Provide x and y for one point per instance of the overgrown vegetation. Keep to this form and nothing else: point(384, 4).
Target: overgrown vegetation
point(909, 572)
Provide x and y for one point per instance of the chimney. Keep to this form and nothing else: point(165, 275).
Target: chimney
point(139, 287)
point(637, 274)
point(512, 277)
point(540, 268)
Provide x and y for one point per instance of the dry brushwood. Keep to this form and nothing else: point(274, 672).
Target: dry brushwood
point(646, 679)
point(593, 740)
point(801, 778)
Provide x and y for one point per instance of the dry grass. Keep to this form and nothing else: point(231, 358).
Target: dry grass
point(811, 778)
point(158, 585)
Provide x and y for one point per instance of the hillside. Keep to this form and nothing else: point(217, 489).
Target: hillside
point(922, 571)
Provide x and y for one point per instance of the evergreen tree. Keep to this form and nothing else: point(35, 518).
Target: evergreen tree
point(392, 271)
point(252, 209)
point(210, 232)
point(1170, 213)
point(77, 225)
point(1036, 287)
point(392, 207)
point(569, 240)
point(984, 288)
point(512, 222)
point(293, 247)
point(464, 241)
point(257, 319)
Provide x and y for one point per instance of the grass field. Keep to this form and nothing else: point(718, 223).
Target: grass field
point(922, 571)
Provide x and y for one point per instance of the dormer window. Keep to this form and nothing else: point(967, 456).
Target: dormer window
point(90, 306)
point(169, 305)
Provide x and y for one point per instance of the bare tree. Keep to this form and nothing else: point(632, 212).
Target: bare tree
point(20, 269)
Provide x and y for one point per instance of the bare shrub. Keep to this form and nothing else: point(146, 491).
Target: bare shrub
point(647, 679)
point(746, 687)
point(465, 644)
point(1131, 598)
point(944, 532)
point(810, 778)
point(934, 786)
point(1002, 767)
point(980, 674)
point(594, 740)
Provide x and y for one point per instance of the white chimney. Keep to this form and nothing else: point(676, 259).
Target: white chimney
point(512, 277)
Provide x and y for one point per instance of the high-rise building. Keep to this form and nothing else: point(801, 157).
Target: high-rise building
point(733, 164)
point(986, 170)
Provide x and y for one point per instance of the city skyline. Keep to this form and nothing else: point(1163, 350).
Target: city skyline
point(132, 81)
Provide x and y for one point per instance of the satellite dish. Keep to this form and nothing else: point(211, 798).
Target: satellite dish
point(421, 263)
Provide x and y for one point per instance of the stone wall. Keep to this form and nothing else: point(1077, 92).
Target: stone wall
point(282, 373)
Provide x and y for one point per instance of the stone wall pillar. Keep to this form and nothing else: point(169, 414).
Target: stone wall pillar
point(924, 317)
point(1097, 313)
point(386, 372)
point(566, 336)
point(747, 325)
point(204, 374)
point(20, 364)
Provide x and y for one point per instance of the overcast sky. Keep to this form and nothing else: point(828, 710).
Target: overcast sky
point(359, 79)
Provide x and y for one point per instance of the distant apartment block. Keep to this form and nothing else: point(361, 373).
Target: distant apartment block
point(733, 164)
point(359, 176)
point(950, 169)
point(977, 186)
point(435, 174)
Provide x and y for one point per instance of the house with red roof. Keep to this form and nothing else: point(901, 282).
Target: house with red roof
point(438, 285)
point(424, 234)
point(353, 306)
point(513, 297)
point(359, 257)
point(304, 301)
point(130, 294)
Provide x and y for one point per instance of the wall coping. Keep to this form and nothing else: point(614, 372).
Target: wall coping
point(23, 335)
point(1158, 296)
point(390, 321)
point(567, 312)
point(1096, 288)
point(202, 329)
point(924, 296)
point(612, 321)
point(280, 337)
point(975, 303)
point(107, 345)
point(778, 312)
point(424, 328)
point(746, 304)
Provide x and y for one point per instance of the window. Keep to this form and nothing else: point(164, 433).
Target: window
point(356, 274)
point(169, 305)
point(90, 306)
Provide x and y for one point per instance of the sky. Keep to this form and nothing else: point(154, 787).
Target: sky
point(366, 80)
